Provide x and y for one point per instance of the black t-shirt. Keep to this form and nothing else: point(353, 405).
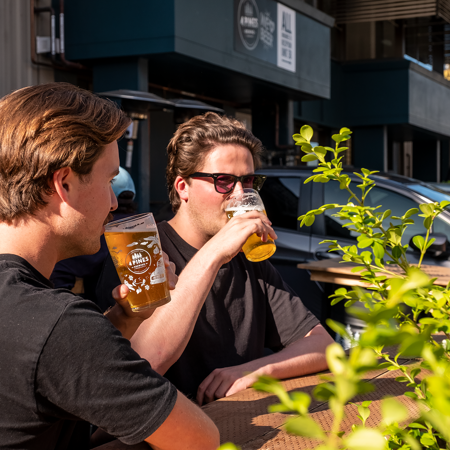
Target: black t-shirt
point(248, 309)
point(62, 361)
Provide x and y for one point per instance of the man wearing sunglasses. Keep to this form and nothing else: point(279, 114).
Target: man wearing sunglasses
point(226, 311)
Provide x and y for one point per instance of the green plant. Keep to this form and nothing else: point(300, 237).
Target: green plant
point(378, 248)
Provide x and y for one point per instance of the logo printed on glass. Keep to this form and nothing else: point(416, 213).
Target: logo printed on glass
point(138, 261)
point(248, 23)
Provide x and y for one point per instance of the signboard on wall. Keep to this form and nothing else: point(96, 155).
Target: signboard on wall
point(265, 30)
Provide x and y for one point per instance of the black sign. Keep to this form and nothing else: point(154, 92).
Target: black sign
point(265, 29)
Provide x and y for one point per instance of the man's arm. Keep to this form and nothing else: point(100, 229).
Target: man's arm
point(304, 356)
point(162, 339)
point(187, 427)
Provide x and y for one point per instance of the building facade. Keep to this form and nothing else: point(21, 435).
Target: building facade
point(273, 64)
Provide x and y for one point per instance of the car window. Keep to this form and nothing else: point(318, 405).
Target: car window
point(397, 203)
point(280, 196)
point(435, 194)
point(441, 226)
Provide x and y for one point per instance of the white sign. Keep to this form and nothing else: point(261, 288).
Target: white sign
point(286, 38)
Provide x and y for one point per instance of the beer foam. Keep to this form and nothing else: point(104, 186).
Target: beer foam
point(239, 210)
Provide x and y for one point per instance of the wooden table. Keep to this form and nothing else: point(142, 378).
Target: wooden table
point(243, 418)
point(338, 272)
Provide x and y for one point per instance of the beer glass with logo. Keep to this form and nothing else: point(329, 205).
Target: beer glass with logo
point(255, 249)
point(136, 252)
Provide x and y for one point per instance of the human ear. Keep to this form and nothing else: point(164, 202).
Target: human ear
point(182, 188)
point(62, 183)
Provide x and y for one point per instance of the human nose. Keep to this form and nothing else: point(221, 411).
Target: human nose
point(238, 188)
point(114, 202)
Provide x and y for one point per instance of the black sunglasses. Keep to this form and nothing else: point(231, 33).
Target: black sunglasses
point(225, 182)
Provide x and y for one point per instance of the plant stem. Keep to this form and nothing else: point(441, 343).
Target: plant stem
point(422, 254)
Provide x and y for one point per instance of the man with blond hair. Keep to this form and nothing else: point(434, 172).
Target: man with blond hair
point(211, 341)
point(61, 359)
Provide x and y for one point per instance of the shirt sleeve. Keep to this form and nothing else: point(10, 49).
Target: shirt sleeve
point(288, 319)
point(87, 370)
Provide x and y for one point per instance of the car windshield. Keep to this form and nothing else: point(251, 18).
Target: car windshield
point(434, 194)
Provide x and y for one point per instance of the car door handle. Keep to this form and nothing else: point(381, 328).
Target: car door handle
point(326, 255)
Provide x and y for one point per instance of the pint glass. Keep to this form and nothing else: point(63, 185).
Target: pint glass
point(255, 249)
point(136, 252)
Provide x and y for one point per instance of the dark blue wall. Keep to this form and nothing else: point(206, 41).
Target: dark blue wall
point(196, 31)
point(363, 94)
point(112, 28)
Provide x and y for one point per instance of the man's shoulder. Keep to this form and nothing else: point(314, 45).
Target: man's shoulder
point(177, 249)
point(27, 294)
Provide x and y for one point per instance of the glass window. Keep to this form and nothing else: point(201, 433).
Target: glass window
point(280, 197)
point(434, 194)
point(441, 226)
point(385, 198)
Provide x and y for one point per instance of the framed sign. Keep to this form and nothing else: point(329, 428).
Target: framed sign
point(266, 30)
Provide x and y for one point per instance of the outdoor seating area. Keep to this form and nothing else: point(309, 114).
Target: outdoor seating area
point(225, 225)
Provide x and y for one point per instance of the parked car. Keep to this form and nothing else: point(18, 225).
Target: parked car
point(286, 197)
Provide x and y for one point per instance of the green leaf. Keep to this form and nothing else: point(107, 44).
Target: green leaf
point(366, 439)
point(310, 220)
point(378, 250)
point(340, 137)
point(335, 354)
point(430, 243)
point(320, 149)
point(340, 291)
point(428, 222)
point(411, 395)
point(304, 426)
point(365, 243)
point(427, 439)
point(345, 131)
point(367, 257)
point(307, 132)
point(324, 392)
point(419, 242)
point(426, 208)
point(278, 407)
point(364, 412)
point(410, 212)
point(309, 157)
point(444, 203)
point(299, 138)
point(359, 268)
point(417, 425)
point(397, 251)
point(402, 379)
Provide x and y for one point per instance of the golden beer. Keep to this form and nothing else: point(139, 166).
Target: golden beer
point(255, 249)
point(139, 262)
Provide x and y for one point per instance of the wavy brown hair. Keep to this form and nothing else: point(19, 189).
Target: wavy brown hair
point(195, 138)
point(45, 128)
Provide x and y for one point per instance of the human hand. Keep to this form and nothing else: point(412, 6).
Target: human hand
point(228, 242)
point(223, 383)
point(172, 278)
